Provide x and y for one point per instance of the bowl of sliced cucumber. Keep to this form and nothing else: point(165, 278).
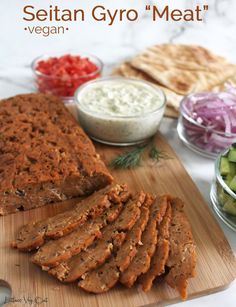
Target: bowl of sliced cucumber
point(223, 189)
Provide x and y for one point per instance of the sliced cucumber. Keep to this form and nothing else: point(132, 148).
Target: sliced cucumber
point(224, 166)
point(232, 184)
point(223, 197)
point(228, 179)
point(232, 155)
point(228, 173)
point(230, 207)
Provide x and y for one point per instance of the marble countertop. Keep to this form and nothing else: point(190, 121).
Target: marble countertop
point(114, 44)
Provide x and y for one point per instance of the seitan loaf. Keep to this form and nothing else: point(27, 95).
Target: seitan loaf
point(45, 156)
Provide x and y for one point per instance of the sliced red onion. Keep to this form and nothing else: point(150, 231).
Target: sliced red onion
point(213, 125)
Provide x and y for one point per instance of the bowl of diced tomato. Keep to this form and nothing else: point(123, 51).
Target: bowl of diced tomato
point(63, 74)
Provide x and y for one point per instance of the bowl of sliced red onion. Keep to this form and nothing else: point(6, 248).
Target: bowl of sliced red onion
point(207, 122)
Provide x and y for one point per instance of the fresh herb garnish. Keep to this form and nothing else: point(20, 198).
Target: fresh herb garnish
point(157, 155)
point(128, 159)
point(133, 158)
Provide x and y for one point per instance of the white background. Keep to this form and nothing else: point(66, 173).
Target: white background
point(113, 44)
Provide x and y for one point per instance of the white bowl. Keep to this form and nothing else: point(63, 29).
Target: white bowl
point(116, 129)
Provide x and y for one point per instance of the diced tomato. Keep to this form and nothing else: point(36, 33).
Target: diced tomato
point(63, 75)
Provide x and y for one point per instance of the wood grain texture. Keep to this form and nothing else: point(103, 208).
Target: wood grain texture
point(216, 266)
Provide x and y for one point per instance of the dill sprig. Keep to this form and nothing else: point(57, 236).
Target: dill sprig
point(133, 158)
point(130, 159)
point(156, 155)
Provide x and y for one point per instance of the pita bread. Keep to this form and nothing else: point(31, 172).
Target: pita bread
point(170, 112)
point(126, 70)
point(173, 100)
point(183, 77)
point(180, 70)
point(187, 57)
point(221, 86)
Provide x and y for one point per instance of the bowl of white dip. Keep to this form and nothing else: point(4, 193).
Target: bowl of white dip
point(120, 111)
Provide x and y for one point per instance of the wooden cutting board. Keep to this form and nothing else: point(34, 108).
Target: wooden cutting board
point(216, 266)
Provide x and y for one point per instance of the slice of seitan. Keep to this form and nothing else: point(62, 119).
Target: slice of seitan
point(161, 255)
point(33, 235)
point(182, 258)
point(112, 237)
point(141, 262)
point(56, 251)
point(106, 276)
point(133, 238)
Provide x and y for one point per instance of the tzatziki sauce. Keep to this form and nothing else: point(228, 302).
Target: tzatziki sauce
point(120, 111)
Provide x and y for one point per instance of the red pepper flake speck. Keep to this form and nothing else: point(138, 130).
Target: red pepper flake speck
point(61, 76)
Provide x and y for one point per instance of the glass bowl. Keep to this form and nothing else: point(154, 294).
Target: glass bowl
point(222, 197)
point(116, 129)
point(61, 86)
point(200, 138)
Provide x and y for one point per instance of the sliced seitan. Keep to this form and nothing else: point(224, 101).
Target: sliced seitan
point(33, 235)
point(182, 259)
point(112, 237)
point(133, 238)
point(161, 255)
point(141, 262)
point(55, 251)
point(106, 276)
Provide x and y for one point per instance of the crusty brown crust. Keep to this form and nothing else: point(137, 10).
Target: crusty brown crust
point(105, 277)
point(45, 156)
point(182, 259)
point(33, 235)
point(112, 238)
point(141, 262)
point(161, 255)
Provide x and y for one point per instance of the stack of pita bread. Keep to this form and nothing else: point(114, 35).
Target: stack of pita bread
point(179, 70)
